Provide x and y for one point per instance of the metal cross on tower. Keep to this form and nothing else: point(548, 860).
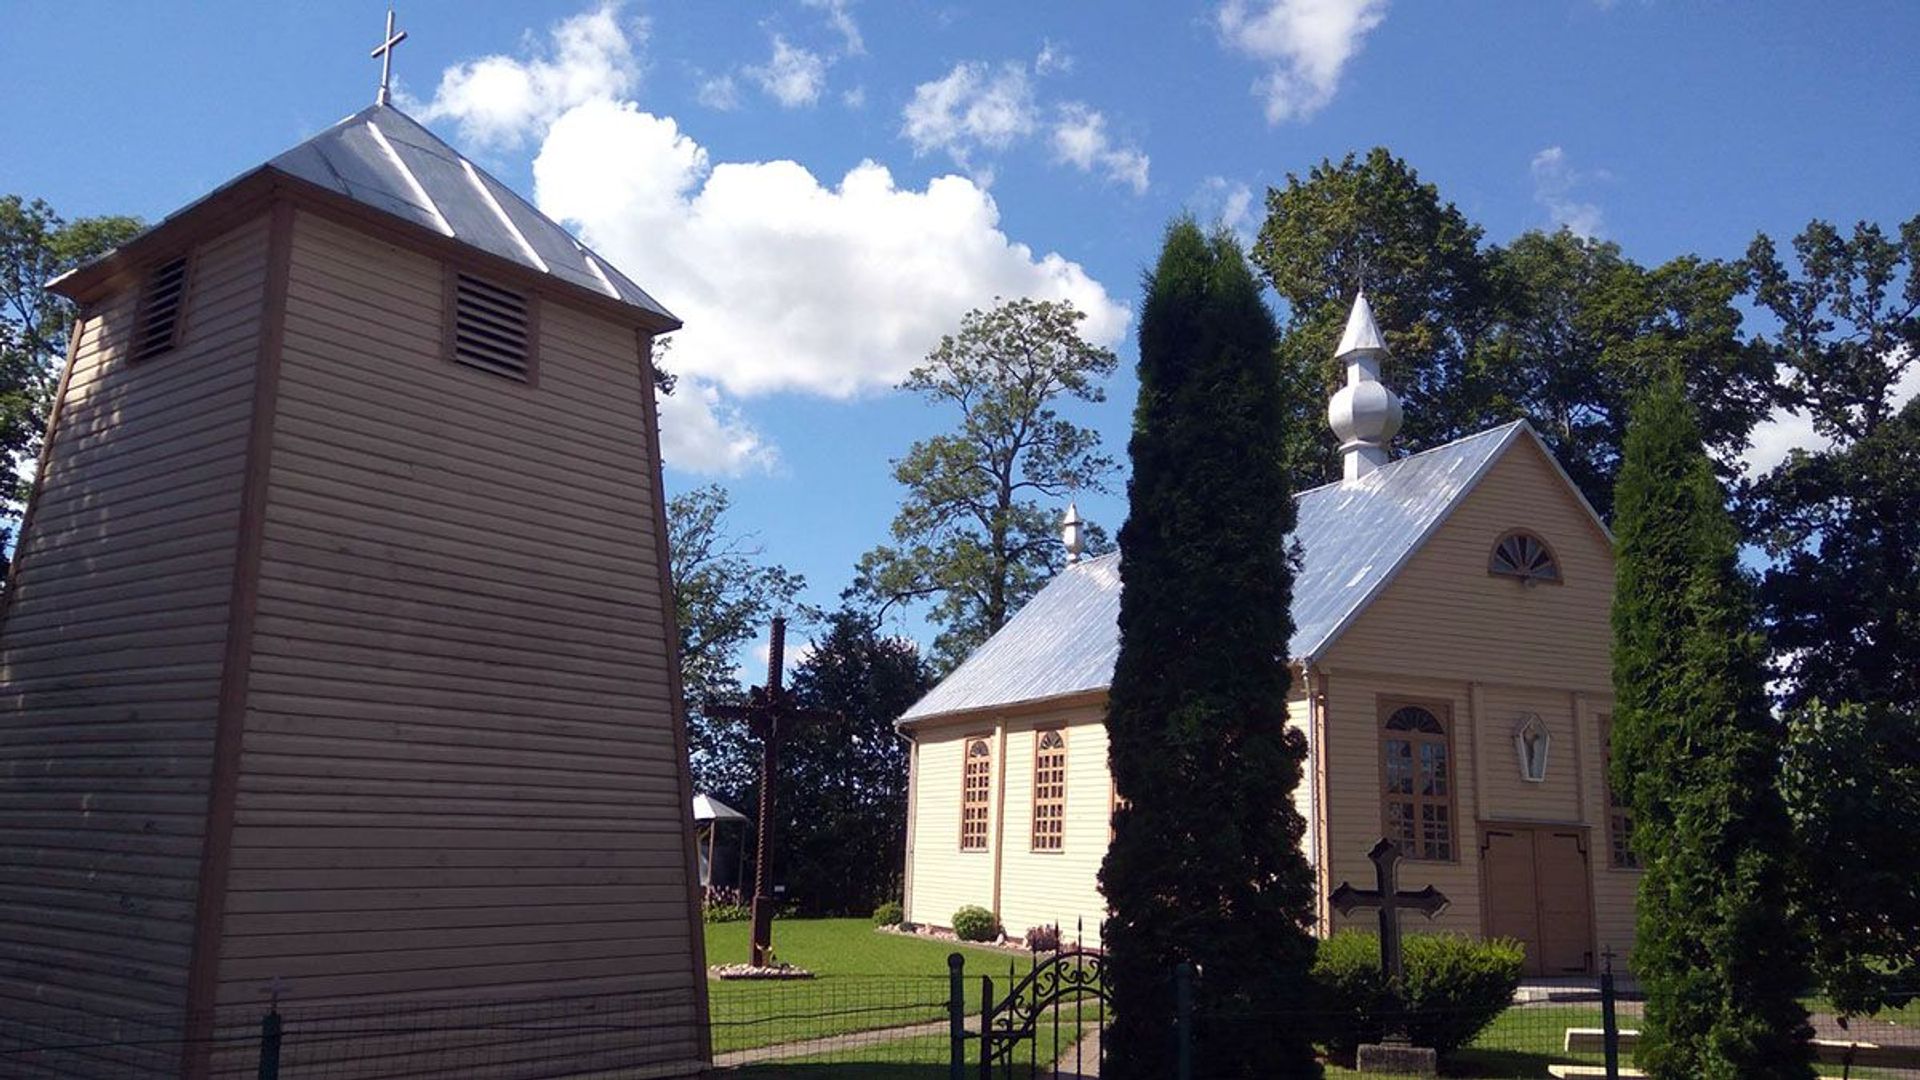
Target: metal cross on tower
point(1387, 897)
point(384, 52)
point(770, 714)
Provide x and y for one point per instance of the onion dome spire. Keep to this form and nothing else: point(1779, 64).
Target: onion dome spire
point(1363, 413)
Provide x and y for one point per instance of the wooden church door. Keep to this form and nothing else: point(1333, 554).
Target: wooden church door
point(1536, 891)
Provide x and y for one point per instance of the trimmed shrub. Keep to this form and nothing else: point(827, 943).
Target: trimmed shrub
point(889, 914)
point(973, 923)
point(1043, 938)
point(1455, 987)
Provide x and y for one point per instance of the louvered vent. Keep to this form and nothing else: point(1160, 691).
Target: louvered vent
point(157, 327)
point(490, 330)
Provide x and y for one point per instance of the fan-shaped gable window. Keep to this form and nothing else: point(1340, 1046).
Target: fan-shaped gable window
point(1521, 554)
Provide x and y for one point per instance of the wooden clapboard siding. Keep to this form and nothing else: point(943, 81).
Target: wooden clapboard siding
point(1354, 818)
point(1615, 889)
point(112, 655)
point(1042, 888)
point(1490, 650)
point(945, 878)
point(459, 773)
point(1508, 795)
point(1444, 616)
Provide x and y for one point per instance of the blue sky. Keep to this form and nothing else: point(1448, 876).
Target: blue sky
point(820, 188)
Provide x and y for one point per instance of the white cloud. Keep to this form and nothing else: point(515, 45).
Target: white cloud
point(787, 283)
point(793, 76)
point(841, 19)
point(1052, 60)
point(1228, 202)
point(855, 98)
point(973, 107)
point(719, 92)
point(1555, 182)
point(1787, 430)
point(702, 433)
point(1307, 42)
point(1080, 138)
point(499, 101)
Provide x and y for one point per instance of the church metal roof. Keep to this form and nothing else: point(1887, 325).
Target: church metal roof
point(381, 157)
point(1353, 535)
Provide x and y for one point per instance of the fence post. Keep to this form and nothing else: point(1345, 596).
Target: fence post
point(986, 1027)
point(1183, 1020)
point(270, 1045)
point(956, 1017)
point(1609, 1024)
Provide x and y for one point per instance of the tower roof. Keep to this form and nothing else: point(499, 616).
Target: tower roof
point(1363, 334)
point(383, 159)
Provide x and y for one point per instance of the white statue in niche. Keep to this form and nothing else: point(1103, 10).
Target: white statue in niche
point(1532, 740)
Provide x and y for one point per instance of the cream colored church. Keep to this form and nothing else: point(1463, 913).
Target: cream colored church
point(1450, 672)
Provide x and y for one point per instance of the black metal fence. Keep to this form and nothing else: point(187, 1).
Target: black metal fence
point(881, 1027)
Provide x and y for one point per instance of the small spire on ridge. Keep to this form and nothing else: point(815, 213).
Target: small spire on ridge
point(1363, 334)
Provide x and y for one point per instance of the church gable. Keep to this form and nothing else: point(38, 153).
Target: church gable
point(1457, 609)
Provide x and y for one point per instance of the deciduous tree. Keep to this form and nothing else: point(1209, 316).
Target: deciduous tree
point(975, 534)
point(1696, 751)
point(723, 594)
point(843, 784)
point(1206, 864)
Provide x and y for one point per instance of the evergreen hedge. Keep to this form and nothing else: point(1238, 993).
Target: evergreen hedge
point(1206, 865)
point(1697, 751)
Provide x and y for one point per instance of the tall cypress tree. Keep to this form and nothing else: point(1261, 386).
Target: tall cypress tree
point(1697, 751)
point(1206, 864)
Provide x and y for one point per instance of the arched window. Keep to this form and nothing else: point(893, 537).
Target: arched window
point(1049, 790)
point(1521, 554)
point(976, 786)
point(1416, 771)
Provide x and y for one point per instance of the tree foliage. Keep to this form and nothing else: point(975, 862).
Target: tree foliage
point(1696, 752)
point(1852, 785)
point(723, 596)
point(1560, 330)
point(1579, 331)
point(843, 786)
point(975, 534)
point(1842, 596)
point(1198, 700)
point(36, 246)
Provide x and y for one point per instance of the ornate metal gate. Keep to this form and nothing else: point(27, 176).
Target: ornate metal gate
point(1064, 997)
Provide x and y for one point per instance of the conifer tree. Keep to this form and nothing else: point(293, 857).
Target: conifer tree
point(1697, 751)
point(1206, 864)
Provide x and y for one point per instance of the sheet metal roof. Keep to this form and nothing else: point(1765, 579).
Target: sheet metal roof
point(381, 157)
point(1353, 535)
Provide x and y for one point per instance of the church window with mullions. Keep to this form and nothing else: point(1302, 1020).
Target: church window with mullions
point(976, 789)
point(1049, 790)
point(1522, 555)
point(1416, 771)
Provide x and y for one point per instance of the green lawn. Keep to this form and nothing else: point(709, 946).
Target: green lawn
point(864, 980)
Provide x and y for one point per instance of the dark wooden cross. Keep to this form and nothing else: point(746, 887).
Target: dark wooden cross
point(1387, 897)
point(769, 714)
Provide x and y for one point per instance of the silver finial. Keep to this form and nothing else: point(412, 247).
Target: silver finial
point(384, 53)
point(1073, 533)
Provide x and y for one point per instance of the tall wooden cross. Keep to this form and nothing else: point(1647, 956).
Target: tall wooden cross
point(1387, 897)
point(770, 714)
point(384, 53)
